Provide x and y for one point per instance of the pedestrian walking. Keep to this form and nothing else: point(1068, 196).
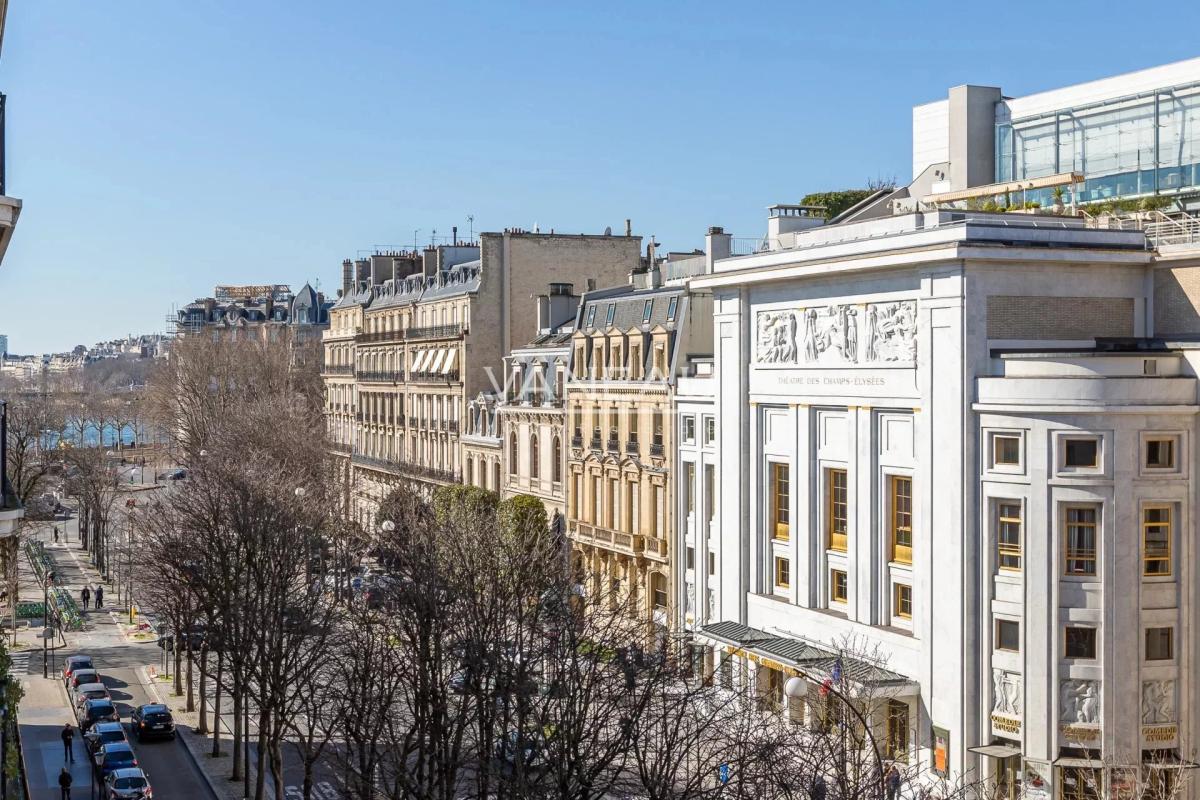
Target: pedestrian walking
point(64, 782)
point(99, 596)
point(818, 788)
point(68, 737)
point(56, 534)
point(891, 783)
point(85, 594)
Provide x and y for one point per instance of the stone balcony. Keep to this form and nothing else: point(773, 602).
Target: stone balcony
point(631, 544)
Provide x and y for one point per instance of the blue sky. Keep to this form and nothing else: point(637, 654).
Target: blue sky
point(161, 147)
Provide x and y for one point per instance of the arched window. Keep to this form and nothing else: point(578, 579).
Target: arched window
point(534, 458)
point(557, 475)
point(496, 476)
point(658, 584)
point(512, 453)
point(470, 472)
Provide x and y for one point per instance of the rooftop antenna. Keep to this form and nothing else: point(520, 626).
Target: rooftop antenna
point(471, 222)
point(433, 237)
point(415, 232)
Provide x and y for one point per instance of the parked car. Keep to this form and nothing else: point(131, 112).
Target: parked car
point(73, 663)
point(93, 711)
point(114, 756)
point(152, 721)
point(193, 637)
point(128, 783)
point(103, 733)
point(81, 676)
point(89, 691)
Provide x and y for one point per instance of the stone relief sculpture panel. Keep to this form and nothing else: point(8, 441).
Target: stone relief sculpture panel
point(777, 338)
point(1079, 701)
point(829, 335)
point(1006, 693)
point(1158, 701)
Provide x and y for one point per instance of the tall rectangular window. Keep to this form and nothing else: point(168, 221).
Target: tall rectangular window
point(689, 489)
point(689, 430)
point(710, 491)
point(612, 310)
point(671, 306)
point(1156, 541)
point(631, 419)
point(1080, 541)
point(647, 311)
point(901, 533)
point(781, 502)
point(837, 492)
point(1008, 536)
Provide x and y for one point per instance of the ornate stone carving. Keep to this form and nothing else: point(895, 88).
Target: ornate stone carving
point(1158, 701)
point(777, 337)
point(830, 334)
point(1079, 701)
point(1006, 693)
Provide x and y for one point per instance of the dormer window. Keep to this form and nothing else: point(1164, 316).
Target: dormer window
point(591, 317)
point(647, 311)
point(671, 307)
point(612, 312)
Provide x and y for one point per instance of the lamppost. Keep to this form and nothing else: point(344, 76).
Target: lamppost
point(797, 687)
point(46, 632)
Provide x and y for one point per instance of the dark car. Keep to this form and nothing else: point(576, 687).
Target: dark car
point(94, 711)
point(129, 783)
point(73, 663)
point(193, 639)
point(110, 757)
point(152, 721)
point(103, 733)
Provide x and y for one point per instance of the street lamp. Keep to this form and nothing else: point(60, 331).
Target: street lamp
point(797, 687)
point(46, 632)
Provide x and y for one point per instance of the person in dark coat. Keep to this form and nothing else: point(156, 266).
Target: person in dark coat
point(64, 782)
point(891, 783)
point(99, 596)
point(85, 594)
point(68, 737)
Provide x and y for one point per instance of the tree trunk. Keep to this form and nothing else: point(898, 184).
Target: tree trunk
point(178, 665)
point(203, 728)
point(216, 732)
point(260, 762)
point(277, 768)
point(237, 729)
point(191, 695)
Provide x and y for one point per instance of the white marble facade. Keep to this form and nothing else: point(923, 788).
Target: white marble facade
point(889, 370)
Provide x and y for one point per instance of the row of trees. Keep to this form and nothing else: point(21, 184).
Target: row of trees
point(479, 668)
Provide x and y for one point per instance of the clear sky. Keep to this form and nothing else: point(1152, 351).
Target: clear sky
point(163, 146)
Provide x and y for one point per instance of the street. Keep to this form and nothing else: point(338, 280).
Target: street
point(172, 771)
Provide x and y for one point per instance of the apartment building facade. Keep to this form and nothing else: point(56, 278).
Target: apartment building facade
point(954, 440)
point(629, 347)
point(417, 337)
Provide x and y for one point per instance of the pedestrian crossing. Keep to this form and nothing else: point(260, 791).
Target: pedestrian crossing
point(20, 662)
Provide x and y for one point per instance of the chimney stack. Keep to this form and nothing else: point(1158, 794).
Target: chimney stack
point(629, 227)
point(454, 236)
point(347, 275)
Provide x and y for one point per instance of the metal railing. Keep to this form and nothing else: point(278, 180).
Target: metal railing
point(375, 337)
point(434, 377)
point(436, 332)
point(380, 376)
point(338, 369)
point(401, 467)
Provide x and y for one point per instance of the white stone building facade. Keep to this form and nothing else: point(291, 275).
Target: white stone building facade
point(952, 440)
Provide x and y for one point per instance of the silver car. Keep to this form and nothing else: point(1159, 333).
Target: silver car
point(127, 784)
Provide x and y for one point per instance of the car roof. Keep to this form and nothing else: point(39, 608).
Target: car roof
point(153, 707)
point(108, 725)
point(77, 658)
point(117, 747)
point(128, 772)
point(99, 701)
point(89, 687)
